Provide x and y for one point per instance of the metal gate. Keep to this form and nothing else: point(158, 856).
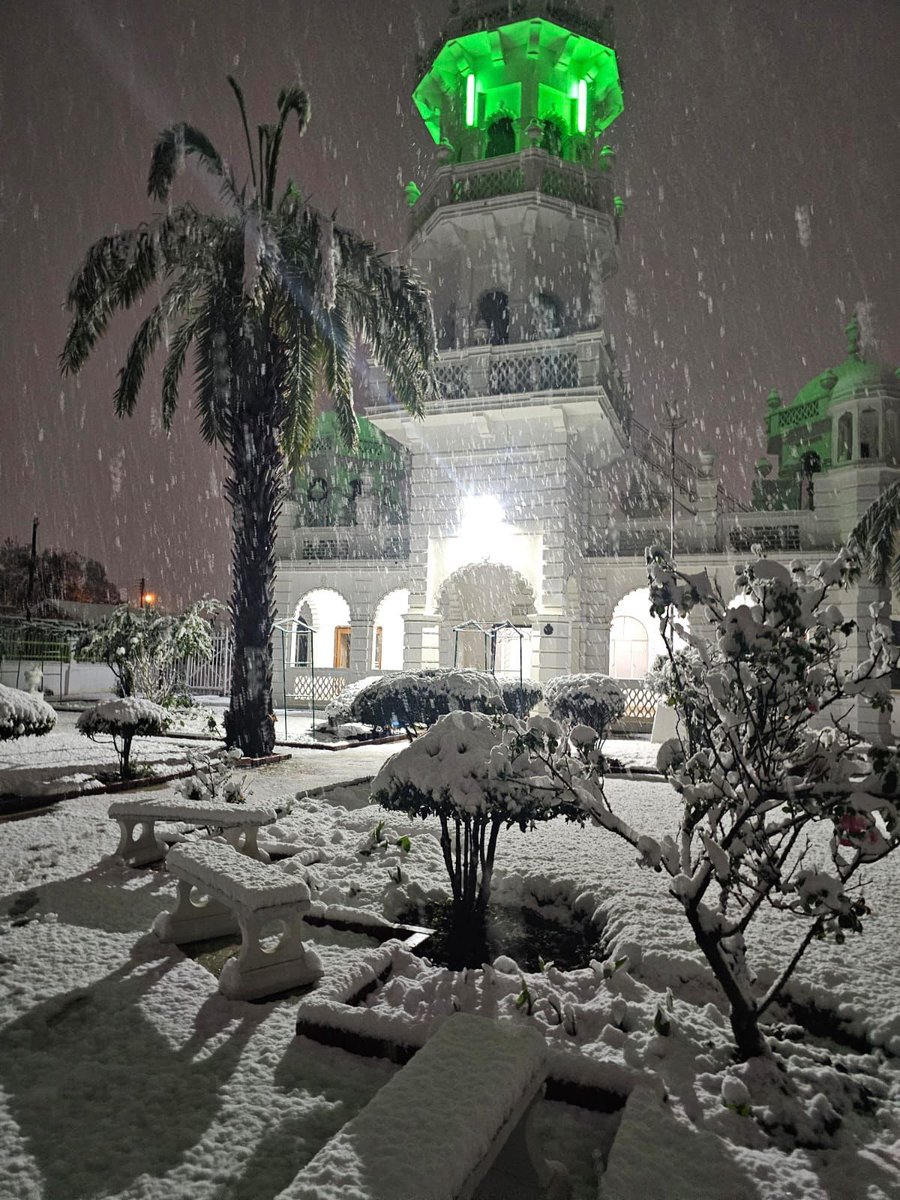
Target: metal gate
point(212, 676)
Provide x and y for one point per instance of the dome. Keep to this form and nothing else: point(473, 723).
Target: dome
point(857, 378)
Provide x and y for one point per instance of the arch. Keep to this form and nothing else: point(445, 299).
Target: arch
point(387, 645)
point(487, 594)
point(329, 615)
point(493, 311)
point(634, 638)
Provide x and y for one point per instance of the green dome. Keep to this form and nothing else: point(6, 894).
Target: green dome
point(856, 377)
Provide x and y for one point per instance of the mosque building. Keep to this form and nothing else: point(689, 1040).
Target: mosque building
point(507, 529)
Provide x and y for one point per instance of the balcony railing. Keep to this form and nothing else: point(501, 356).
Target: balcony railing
point(531, 170)
point(343, 543)
point(579, 362)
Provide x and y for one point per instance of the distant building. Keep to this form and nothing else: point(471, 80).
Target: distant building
point(524, 501)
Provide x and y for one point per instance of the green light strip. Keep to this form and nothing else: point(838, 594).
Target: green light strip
point(470, 100)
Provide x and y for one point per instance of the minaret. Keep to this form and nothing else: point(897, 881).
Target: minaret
point(514, 231)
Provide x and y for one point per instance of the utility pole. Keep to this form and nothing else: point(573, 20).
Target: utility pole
point(675, 422)
point(32, 563)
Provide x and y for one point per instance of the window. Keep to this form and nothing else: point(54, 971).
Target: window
point(301, 648)
point(379, 640)
point(868, 434)
point(628, 648)
point(501, 137)
point(493, 311)
point(547, 318)
point(844, 438)
point(342, 646)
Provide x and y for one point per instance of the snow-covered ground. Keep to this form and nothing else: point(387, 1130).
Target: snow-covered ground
point(123, 1072)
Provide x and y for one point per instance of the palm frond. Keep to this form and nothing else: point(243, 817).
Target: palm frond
point(291, 100)
point(876, 537)
point(174, 367)
point(239, 96)
point(169, 153)
point(147, 338)
point(214, 367)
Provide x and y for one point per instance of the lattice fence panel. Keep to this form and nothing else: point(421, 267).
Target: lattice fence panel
point(452, 380)
point(640, 707)
point(769, 537)
point(485, 184)
point(567, 186)
point(533, 373)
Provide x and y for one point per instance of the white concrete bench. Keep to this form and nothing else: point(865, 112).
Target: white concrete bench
point(434, 1130)
point(238, 823)
point(244, 895)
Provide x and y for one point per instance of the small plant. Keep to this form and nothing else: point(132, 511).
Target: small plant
point(23, 714)
point(589, 699)
point(123, 720)
point(213, 779)
point(477, 775)
point(520, 698)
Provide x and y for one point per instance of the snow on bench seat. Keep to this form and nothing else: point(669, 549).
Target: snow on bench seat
point(241, 893)
point(238, 822)
point(433, 1131)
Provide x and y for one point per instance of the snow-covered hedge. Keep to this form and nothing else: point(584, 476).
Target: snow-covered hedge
point(23, 714)
point(588, 699)
point(338, 711)
point(520, 698)
point(124, 720)
point(412, 698)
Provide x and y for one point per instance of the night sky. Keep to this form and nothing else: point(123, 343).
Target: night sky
point(758, 157)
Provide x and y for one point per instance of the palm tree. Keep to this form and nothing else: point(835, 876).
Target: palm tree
point(875, 537)
point(270, 296)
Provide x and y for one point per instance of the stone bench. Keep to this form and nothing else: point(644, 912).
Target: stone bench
point(238, 823)
point(434, 1130)
point(241, 894)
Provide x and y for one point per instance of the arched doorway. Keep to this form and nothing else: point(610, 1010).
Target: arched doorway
point(634, 638)
point(387, 646)
point(329, 614)
point(487, 594)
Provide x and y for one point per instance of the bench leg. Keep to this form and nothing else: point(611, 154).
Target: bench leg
point(259, 972)
point(143, 849)
point(191, 922)
point(243, 838)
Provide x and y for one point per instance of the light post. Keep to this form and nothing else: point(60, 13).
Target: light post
point(674, 421)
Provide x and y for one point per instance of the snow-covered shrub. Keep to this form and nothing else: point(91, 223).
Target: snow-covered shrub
point(23, 714)
point(415, 698)
point(519, 698)
point(478, 775)
point(124, 720)
point(756, 780)
point(338, 711)
point(213, 778)
point(588, 699)
point(146, 650)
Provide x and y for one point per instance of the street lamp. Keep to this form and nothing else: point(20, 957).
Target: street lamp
point(674, 421)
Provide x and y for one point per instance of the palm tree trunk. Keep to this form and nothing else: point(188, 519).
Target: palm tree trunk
point(254, 492)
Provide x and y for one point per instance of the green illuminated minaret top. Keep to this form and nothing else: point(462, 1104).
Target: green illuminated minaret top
point(536, 73)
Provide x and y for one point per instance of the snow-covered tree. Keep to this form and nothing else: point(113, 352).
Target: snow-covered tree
point(478, 775)
point(123, 720)
point(271, 294)
point(146, 650)
point(783, 805)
